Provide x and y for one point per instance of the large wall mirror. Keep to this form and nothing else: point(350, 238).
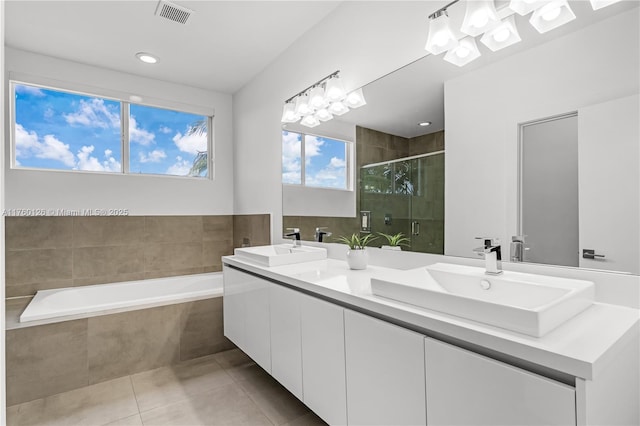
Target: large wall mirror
point(460, 177)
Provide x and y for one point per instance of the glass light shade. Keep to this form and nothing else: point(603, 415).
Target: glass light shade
point(440, 38)
point(355, 99)
point(524, 7)
point(599, 4)
point(338, 108)
point(310, 121)
point(289, 113)
point(502, 35)
point(317, 99)
point(323, 114)
point(465, 52)
point(302, 105)
point(552, 15)
point(479, 17)
point(334, 91)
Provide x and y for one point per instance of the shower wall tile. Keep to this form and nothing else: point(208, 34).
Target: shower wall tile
point(54, 252)
point(107, 231)
point(45, 360)
point(38, 232)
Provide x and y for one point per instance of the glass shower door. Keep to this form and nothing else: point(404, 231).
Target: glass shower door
point(427, 204)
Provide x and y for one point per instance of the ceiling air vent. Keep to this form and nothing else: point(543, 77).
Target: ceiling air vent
point(173, 12)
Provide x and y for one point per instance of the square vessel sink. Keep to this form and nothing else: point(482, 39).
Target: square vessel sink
point(281, 254)
point(526, 303)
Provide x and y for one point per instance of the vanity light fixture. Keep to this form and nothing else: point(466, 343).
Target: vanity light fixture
point(465, 52)
point(147, 58)
point(524, 7)
point(321, 101)
point(440, 37)
point(552, 15)
point(355, 99)
point(502, 35)
point(479, 17)
point(599, 4)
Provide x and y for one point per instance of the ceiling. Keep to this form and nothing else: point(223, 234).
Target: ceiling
point(223, 46)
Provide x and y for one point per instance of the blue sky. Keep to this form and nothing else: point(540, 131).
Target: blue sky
point(325, 161)
point(64, 131)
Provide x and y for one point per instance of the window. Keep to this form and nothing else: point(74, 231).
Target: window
point(60, 130)
point(319, 162)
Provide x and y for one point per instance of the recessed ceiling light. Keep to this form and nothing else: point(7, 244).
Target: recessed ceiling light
point(147, 58)
point(424, 123)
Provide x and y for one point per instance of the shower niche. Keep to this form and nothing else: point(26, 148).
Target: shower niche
point(406, 195)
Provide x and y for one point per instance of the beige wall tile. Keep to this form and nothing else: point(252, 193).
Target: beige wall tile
point(173, 273)
point(29, 289)
point(202, 332)
point(173, 229)
point(38, 266)
point(37, 232)
point(212, 252)
point(89, 262)
point(45, 360)
point(257, 228)
point(107, 231)
point(172, 256)
point(105, 279)
point(216, 228)
point(131, 342)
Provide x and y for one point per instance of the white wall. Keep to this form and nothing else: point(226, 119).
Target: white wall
point(363, 39)
point(142, 195)
point(483, 109)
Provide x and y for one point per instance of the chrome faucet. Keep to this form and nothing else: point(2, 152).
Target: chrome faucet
point(518, 248)
point(492, 255)
point(295, 236)
point(320, 233)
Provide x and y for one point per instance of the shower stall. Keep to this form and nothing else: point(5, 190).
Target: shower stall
point(406, 195)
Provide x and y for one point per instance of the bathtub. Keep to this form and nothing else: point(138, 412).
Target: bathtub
point(78, 302)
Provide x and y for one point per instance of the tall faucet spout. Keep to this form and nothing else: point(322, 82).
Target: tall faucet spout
point(492, 255)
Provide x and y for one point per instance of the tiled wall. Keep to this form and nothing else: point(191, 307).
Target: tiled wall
point(48, 359)
point(53, 252)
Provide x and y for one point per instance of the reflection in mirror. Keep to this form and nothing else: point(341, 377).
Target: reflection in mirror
point(577, 67)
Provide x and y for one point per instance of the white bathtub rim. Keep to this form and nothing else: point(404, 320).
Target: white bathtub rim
point(150, 303)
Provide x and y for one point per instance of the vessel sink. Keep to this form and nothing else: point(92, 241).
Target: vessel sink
point(526, 303)
point(281, 254)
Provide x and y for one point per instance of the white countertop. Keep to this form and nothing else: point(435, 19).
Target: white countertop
point(580, 347)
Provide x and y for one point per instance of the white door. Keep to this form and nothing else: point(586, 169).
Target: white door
point(609, 184)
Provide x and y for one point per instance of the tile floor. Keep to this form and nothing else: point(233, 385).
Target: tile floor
point(227, 388)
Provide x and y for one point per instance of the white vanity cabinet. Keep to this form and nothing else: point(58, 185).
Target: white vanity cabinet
point(323, 359)
point(286, 340)
point(466, 388)
point(246, 315)
point(385, 372)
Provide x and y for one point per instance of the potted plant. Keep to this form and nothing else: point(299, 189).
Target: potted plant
point(395, 241)
point(357, 256)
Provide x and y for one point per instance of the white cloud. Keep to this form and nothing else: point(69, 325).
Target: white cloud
point(332, 175)
point(87, 162)
point(154, 156)
point(312, 148)
point(191, 144)
point(180, 168)
point(29, 90)
point(49, 113)
point(137, 135)
point(29, 144)
point(94, 113)
point(291, 165)
point(166, 130)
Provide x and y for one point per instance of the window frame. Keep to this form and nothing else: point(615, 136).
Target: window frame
point(116, 96)
point(349, 161)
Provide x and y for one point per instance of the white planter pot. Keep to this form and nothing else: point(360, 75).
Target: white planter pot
point(397, 248)
point(357, 259)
